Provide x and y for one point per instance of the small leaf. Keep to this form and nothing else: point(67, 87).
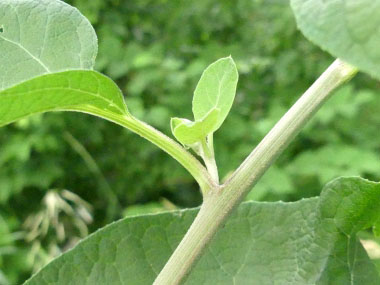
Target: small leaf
point(302, 242)
point(216, 89)
point(84, 91)
point(188, 132)
point(348, 29)
point(42, 36)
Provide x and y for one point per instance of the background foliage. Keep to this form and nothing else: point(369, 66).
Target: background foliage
point(156, 51)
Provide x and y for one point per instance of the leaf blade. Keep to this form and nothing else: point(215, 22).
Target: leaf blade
point(216, 89)
point(347, 29)
point(43, 36)
point(78, 90)
point(298, 242)
point(188, 133)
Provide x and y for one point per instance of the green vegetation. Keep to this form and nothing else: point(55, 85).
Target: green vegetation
point(324, 232)
point(156, 51)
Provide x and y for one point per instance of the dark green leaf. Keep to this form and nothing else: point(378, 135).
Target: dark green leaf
point(307, 242)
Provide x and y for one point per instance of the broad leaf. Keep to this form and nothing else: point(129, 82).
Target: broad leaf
point(42, 36)
point(188, 132)
point(85, 91)
point(311, 241)
point(348, 29)
point(216, 89)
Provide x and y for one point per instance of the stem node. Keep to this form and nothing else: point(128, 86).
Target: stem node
point(220, 201)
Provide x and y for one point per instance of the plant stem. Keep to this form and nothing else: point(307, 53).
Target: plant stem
point(220, 201)
point(207, 153)
point(188, 161)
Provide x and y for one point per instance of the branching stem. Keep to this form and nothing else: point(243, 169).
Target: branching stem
point(185, 158)
point(220, 201)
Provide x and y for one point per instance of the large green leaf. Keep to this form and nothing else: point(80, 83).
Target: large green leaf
point(216, 89)
point(307, 242)
point(42, 36)
point(78, 90)
point(348, 29)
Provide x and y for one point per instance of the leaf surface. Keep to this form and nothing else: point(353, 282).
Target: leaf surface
point(348, 29)
point(216, 89)
point(188, 132)
point(304, 242)
point(42, 36)
point(79, 90)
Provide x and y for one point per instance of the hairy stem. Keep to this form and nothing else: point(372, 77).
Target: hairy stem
point(220, 201)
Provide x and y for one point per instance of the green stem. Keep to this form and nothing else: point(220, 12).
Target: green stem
point(220, 201)
point(188, 161)
point(208, 156)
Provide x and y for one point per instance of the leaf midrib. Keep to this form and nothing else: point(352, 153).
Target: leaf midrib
point(97, 95)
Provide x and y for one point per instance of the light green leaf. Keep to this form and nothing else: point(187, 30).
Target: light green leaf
point(188, 132)
point(42, 36)
point(216, 89)
point(348, 29)
point(79, 90)
point(212, 101)
point(304, 242)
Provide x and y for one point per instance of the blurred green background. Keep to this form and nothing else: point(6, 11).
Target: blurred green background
point(156, 52)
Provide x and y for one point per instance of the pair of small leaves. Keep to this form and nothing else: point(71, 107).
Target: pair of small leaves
point(311, 241)
point(212, 101)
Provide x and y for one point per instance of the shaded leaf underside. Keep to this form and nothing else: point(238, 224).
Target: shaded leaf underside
point(42, 36)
